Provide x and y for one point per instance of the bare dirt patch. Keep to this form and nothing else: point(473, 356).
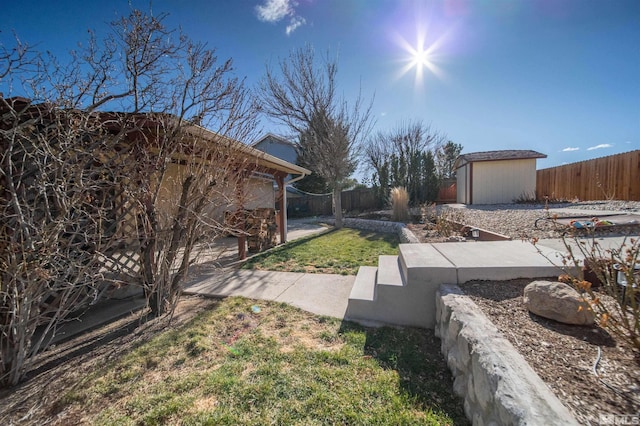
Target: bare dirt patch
point(591, 371)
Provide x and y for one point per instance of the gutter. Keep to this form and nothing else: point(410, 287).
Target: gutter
point(302, 176)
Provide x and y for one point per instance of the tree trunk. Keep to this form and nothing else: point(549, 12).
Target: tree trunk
point(337, 206)
point(150, 282)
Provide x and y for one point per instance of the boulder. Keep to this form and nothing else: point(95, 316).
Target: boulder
point(557, 301)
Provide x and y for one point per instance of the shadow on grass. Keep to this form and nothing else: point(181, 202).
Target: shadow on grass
point(422, 371)
point(110, 338)
point(390, 237)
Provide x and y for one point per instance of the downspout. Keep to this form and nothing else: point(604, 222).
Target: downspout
point(302, 176)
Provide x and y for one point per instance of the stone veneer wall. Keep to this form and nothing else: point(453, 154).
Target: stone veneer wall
point(384, 226)
point(497, 384)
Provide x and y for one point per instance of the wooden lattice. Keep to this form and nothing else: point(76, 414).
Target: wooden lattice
point(120, 265)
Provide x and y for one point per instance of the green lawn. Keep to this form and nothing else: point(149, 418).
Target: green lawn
point(336, 252)
point(245, 362)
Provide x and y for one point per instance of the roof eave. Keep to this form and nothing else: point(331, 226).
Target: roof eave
point(263, 158)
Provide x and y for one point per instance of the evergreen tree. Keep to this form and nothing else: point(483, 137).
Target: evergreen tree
point(446, 157)
point(404, 158)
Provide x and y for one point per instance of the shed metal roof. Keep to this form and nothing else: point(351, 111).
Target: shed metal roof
point(509, 154)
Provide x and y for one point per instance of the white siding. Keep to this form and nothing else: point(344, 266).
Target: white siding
point(505, 181)
point(462, 184)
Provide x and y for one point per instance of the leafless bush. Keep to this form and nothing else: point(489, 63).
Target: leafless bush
point(81, 182)
point(448, 222)
point(428, 213)
point(622, 317)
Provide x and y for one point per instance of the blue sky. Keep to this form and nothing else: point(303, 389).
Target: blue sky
point(558, 76)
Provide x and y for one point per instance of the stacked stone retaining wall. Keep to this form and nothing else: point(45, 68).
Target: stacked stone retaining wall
point(497, 384)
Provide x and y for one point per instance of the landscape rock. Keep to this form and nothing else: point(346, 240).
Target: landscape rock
point(557, 301)
point(498, 386)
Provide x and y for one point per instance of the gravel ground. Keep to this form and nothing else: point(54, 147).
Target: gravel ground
point(518, 220)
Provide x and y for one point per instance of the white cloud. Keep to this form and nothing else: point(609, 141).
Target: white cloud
point(602, 145)
point(295, 22)
point(382, 114)
point(569, 149)
point(274, 10)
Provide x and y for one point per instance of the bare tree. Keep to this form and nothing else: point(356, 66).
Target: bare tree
point(82, 183)
point(404, 157)
point(303, 97)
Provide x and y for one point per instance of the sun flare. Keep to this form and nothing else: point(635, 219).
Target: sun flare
point(420, 57)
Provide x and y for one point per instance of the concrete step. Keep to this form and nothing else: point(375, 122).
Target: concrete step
point(389, 271)
point(401, 291)
point(364, 287)
point(499, 260)
point(362, 297)
point(419, 261)
point(397, 300)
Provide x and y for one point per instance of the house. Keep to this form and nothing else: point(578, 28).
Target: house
point(267, 175)
point(102, 205)
point(256, 179)
point(278, 147)
point(495, 177)
point(285, 150)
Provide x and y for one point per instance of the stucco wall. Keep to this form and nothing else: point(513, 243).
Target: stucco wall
point(259, 193)
point(496, 182)
point(262, 194)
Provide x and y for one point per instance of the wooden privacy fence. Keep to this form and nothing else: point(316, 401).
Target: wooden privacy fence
point(447, 192)
point(355, 200)
point(321, 205)
point(613, 177)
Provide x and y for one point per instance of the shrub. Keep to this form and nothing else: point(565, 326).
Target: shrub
point(428, 213)
point(448, 222)
point(400, 204)
point(620, 314)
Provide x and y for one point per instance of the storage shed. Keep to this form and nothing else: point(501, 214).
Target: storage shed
point(495, 177)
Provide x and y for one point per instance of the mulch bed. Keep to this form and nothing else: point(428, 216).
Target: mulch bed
point(591, 371)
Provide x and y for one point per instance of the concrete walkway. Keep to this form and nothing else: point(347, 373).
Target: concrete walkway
point(322, 294)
